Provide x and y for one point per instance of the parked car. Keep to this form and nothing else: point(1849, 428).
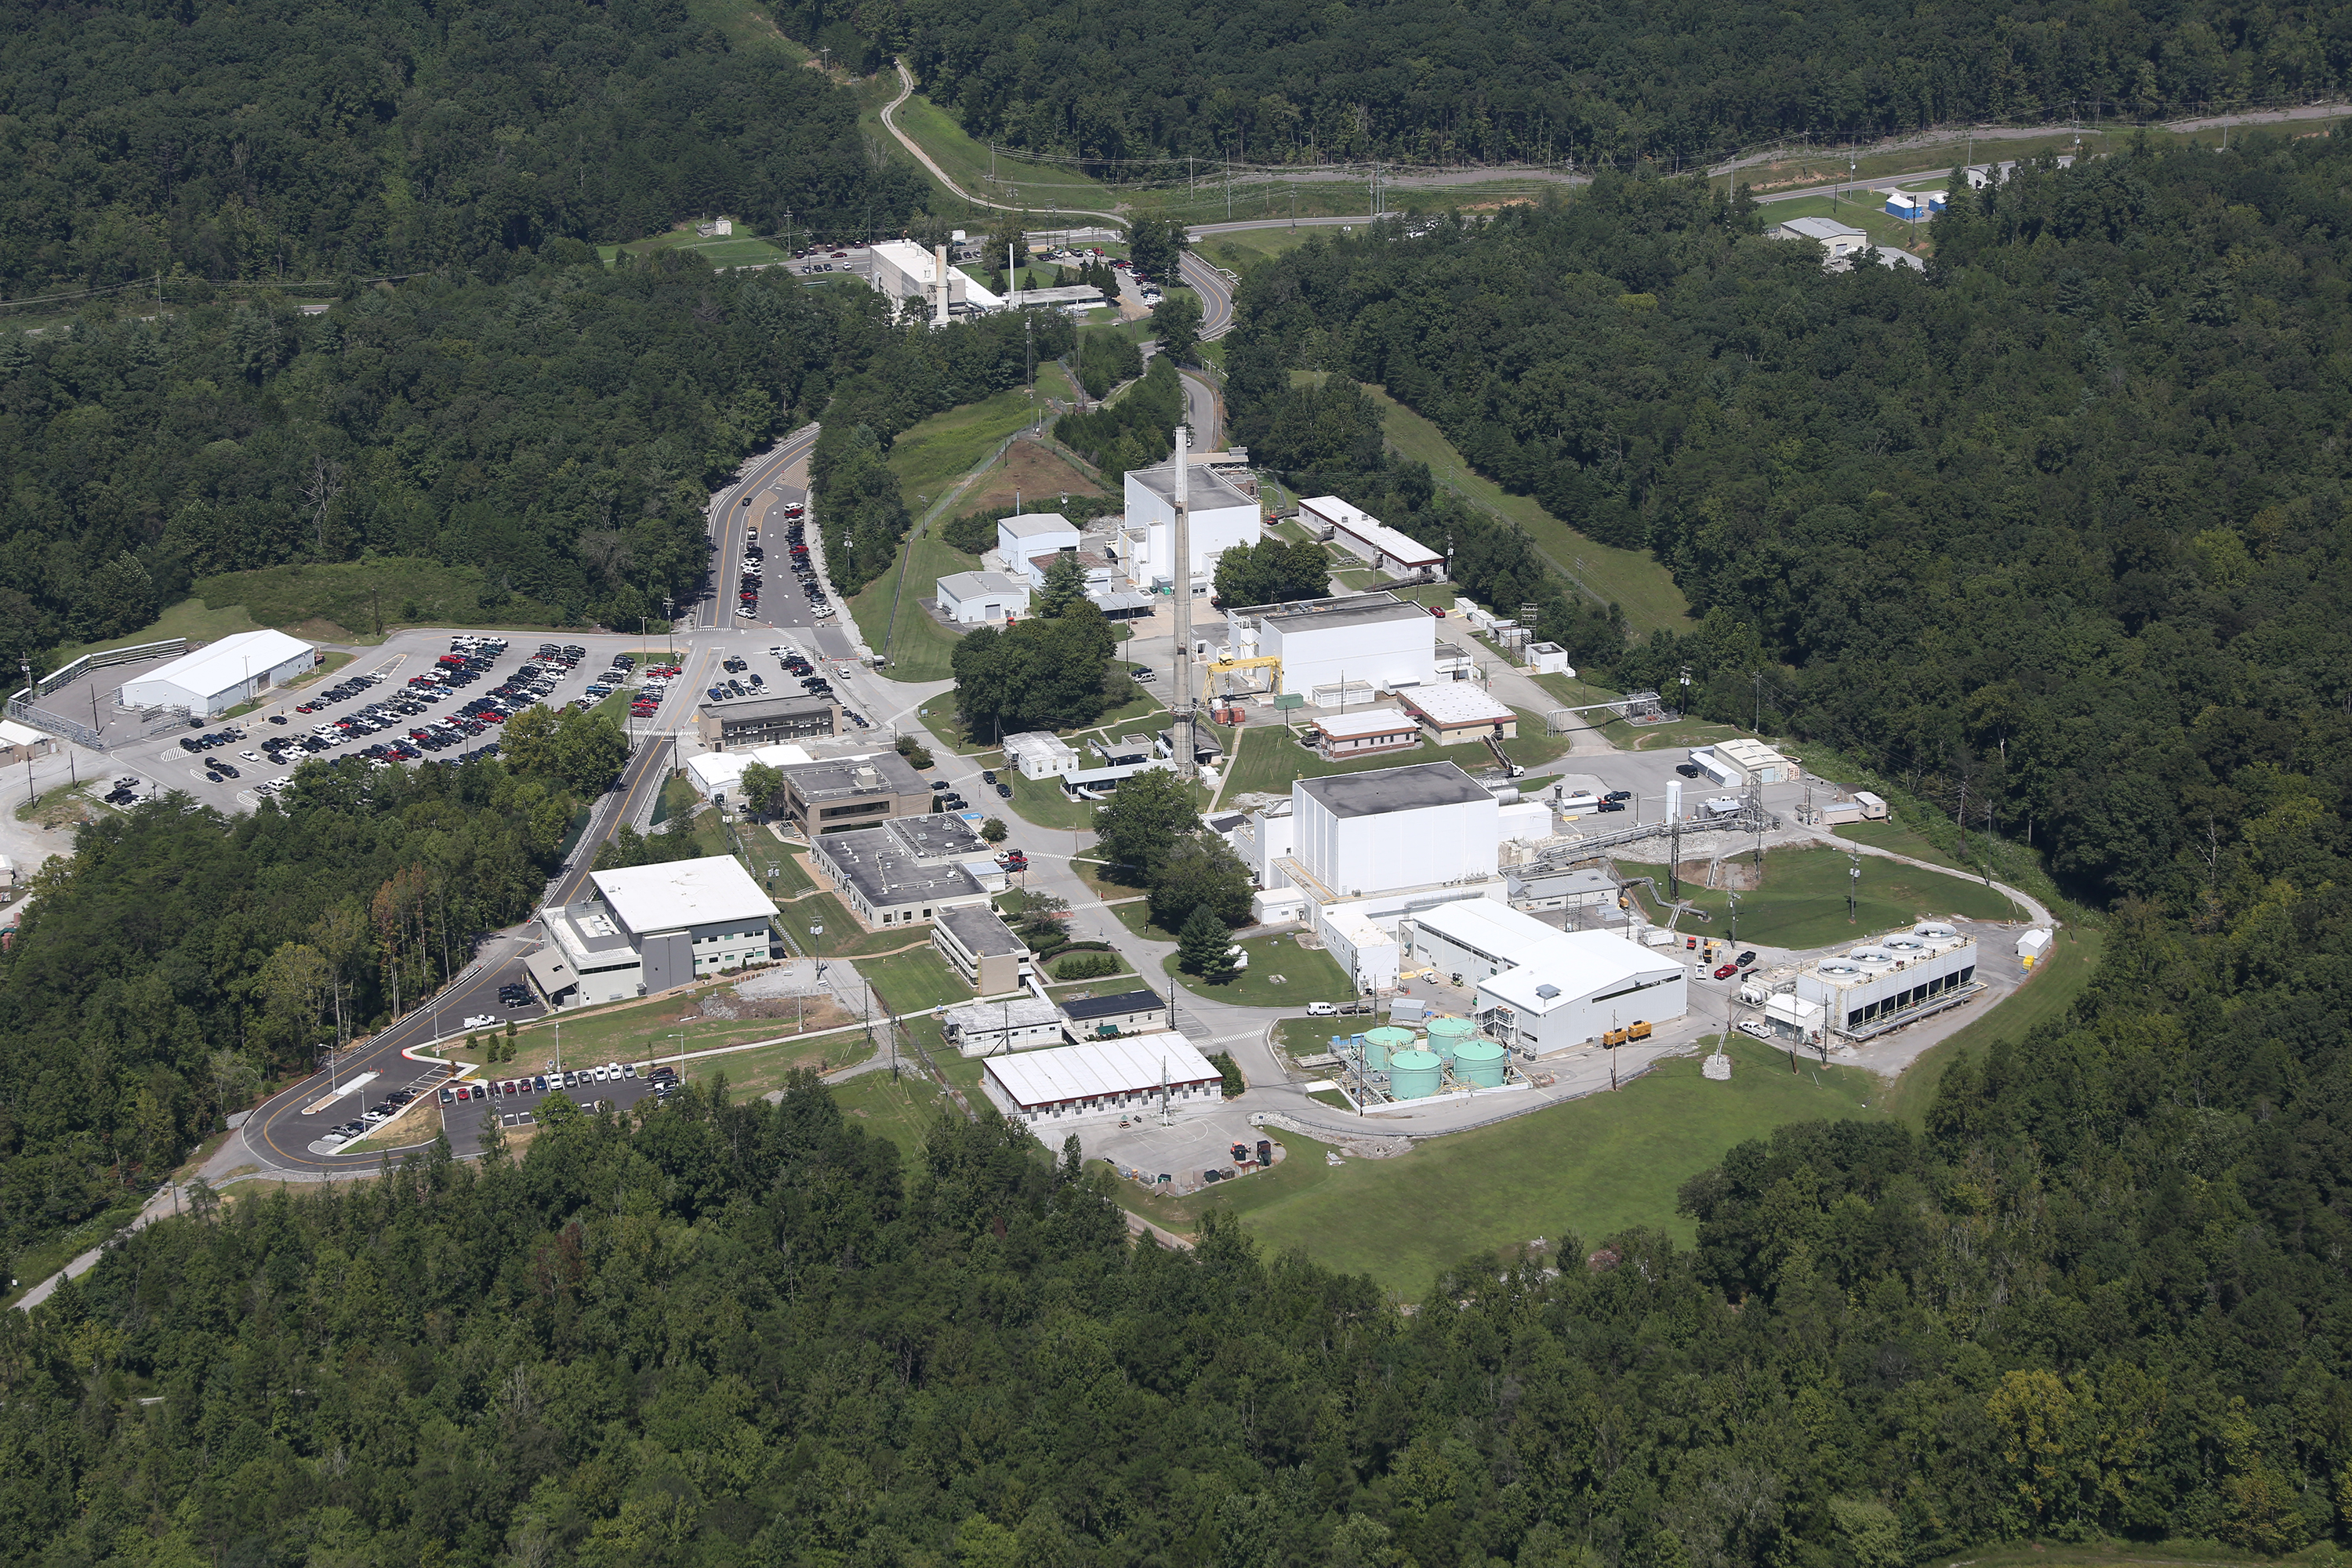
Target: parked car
point(480, 1021)
point(1725, 972)
point(1745, 959)
point(1750, 1027)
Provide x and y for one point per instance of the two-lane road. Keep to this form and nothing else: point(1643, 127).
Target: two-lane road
point(734, 512)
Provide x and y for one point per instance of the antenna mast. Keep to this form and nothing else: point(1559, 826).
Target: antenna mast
point(1182, 713)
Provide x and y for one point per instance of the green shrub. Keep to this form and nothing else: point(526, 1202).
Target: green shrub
point(1086, 966)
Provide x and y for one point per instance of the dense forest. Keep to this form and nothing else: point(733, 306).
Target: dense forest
point(288, 140)
point(2101, 1293)
point(1294, 82)
point(180, 960)
point(2054, 533)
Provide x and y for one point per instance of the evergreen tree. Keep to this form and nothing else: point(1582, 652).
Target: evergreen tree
point(1203, 947)
point(1065, 589)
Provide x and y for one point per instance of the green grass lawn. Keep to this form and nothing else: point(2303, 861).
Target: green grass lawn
point(1902, 840)
point(1270, 759)
point(361, 596)
point(915, 982)
point(1308, 975)
point(920, 649)
point(1587, 1169)
point(1241, 252)
point(677, 796)
point(757, 1072)
point(2045, 995)
point(933, 456)
point(191, 618)
point(901, 1109)
point(1866, 213)
point(1802, 901)
point(638, 1031)
point(1632, 578)
point(1043, 803)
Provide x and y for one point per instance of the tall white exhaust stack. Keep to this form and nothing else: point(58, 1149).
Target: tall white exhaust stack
point(1180, 712)
point(940, 269)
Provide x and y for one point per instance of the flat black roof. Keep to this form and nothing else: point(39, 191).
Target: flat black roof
point(1104, 1007)
point(1412, 787)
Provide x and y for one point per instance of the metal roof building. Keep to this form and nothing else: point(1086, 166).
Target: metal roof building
point(219, 677)
point(1137, 1075)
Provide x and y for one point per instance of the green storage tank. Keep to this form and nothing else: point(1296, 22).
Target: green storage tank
point(1479, 1063)
point(1446, 1035)
point(1414, 1075)
point(1382, 1044)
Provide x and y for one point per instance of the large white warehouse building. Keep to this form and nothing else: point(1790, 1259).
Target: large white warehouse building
point(1540, 989)
point(1339, 651)
point(216, 678)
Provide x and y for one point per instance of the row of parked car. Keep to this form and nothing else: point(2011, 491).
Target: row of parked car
point(663, 1081)
point(374, 1116)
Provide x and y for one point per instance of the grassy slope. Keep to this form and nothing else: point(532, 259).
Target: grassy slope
point(1589, 1168)
point(2045, 997)
point(920, 646)
point(1802, 901)
point(1632, 578)
point(1900, 839)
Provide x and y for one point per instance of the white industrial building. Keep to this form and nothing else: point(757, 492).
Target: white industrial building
point(1038, 755)
point(715, 774)
point(1369, 538)
point(1540, 989)
point(1741, 761)
point(1460, 712)
point(1840, 243)
point(1892, 980)
point(219, 675)
point(1141, 1076)
point(1332, 651)
point(1222, 517)
point(1032, 534)
point(649, 928)
point(1423, 824)
point(905, 271)
point(1011, 1024)
point(1367, 733)
point(981, 599)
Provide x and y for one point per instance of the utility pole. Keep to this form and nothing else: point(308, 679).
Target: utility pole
point(1182, 713)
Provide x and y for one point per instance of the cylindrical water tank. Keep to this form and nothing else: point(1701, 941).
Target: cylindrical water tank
point(1446, 1035)
point(1374, 1053)
point(1479, 1063)
point(1381, 1045)
point(1414, 1075)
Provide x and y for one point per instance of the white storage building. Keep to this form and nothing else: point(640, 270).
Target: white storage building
point(1054, 1091)
point(216, 678)
point(1365, 536)
point(1034, 533)
point(981, 598)
point(1222, 517)
point(1039, 755)
point(1330, 649)
point(721, 773)
point(1540, 989)
point(1368, 732)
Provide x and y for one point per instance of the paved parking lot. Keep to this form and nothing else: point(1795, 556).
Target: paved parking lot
point(161, 763)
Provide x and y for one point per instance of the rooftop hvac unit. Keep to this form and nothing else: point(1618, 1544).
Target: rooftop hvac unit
point(1546, 992)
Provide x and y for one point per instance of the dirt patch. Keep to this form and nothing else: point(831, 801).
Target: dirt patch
point(1039, 476)
point(318, 630)
point(60, 808)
